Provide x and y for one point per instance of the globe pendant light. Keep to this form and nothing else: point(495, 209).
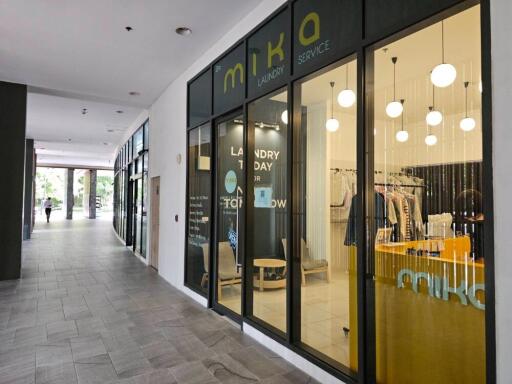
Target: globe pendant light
point(443, 74)
point(284, 117)
point(402, 135)
point(395, 108)
point(467, 124)
point(433, 117)
point(431, 139)
point(332, 124)
point(347, 97)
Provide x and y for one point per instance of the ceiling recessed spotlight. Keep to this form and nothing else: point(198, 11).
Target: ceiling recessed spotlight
point(110, 130)
point(134, 93)
point(183, 31)
point(119, 111)
point(105, 143)
point(128, 28)
point(84, 111)
point(69, 139)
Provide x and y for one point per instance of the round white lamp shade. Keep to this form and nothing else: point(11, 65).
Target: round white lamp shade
point(284, 117)
point(431, 140)
point(443, 75)
point(394, 109)
point(332, 125)
point(434, 118)
point(402, 136)
point(346, 98)
point(467, 124)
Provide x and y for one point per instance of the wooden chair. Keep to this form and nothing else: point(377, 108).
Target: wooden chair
point(309, 265)
point(227, 269)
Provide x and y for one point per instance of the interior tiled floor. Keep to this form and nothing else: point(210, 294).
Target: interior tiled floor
point(87, 311)
point(325, 311)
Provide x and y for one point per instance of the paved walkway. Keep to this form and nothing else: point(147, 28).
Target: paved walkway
point(88, 311)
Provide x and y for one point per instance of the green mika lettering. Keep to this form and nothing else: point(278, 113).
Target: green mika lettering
point(314, 18)
point(231, 72)
point(278, 50)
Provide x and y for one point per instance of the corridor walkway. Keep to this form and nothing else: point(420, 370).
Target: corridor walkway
point(87, 311)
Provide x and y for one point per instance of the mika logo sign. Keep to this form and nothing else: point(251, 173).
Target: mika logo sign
point(439, 287)
point(311, 23)
point(231, 74)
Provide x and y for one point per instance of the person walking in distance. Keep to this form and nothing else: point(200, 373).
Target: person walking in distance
point(48, 208)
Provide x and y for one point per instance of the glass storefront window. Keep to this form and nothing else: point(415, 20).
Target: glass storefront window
point(138, 142)
point(268, 229)
point(327, 219)
point(230, 187)
point(428, 220)
point(199, 202)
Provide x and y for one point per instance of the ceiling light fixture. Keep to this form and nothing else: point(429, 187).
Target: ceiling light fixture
point(347, 97)
point(284, 116)
point(402, 136)
point(183, 31)
point(443, 74)
point(467, 124)
point(134, 93)
point(395, 108)
point(119, 111)
point(332, 125)
point(431, 139)
point(433, 117)
point(84, 111)
point(128, 28)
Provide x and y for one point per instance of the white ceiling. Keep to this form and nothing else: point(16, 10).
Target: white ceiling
point(77, 54)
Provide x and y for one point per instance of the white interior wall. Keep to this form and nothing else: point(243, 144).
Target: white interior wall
point(501, 30)
point(317, 187)
point(168, 146)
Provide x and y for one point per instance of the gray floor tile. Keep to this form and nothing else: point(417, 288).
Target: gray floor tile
point(95, 373)
point(87, 311)
point(53, 354)
point(56, 374)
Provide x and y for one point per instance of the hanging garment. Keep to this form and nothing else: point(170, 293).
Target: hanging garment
point(351, 236)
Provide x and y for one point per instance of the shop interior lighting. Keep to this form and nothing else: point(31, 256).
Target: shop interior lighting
point(444, 74)
point(434, 117)
point(467, 124)
point(284, 117)
point(332, 125)
point(402, 135)
point(395, 108)
point(347, 97)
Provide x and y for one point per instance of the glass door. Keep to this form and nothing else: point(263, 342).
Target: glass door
point(137, 214)
point(229, 191)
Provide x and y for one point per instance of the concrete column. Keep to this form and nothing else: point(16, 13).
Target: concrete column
point(28, 203)
point(90, 193)
point(69, 198)
point(13, 106)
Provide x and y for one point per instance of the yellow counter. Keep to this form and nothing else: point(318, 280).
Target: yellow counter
point(430, 315)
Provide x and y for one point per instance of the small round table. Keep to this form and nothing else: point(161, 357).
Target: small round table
point(269, 263)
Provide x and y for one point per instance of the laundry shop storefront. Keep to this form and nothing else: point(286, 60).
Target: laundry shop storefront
point(359, 235)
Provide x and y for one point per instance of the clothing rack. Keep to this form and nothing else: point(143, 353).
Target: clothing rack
point(399, 185)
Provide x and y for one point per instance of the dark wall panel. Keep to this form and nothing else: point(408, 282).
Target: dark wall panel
point(393, 15)
point(13, 101)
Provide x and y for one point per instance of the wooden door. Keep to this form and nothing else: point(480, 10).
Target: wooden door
point(155, 220)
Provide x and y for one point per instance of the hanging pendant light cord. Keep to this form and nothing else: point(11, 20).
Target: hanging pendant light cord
point(346, 77)
point(442, 41)
point(433, 97)
point(332, 99)
point(394, 60)
point(466, 83)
